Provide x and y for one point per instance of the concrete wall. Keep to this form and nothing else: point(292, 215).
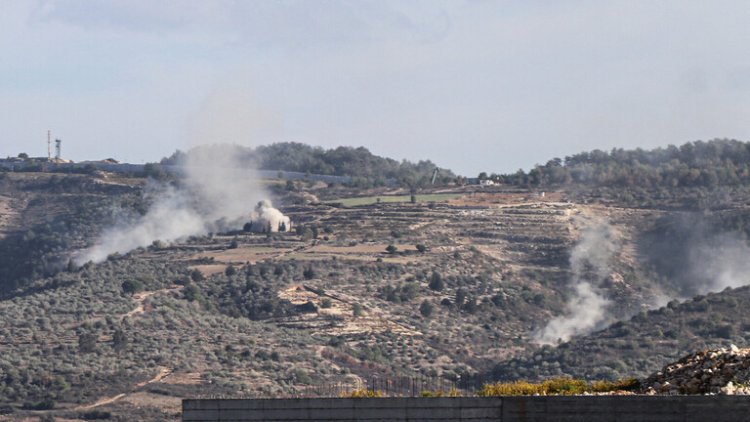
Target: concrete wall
point(476, 409)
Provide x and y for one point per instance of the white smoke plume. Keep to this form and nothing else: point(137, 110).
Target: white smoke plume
point(723, 262)
point(267, 219)
point(216, 194)
point(169, 218)
point(586, 310)
point(697, 254)
point(218, 190)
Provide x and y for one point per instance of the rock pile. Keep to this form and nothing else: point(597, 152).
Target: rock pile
point(721, 371)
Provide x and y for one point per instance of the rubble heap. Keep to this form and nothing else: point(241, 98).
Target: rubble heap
point(721, 371)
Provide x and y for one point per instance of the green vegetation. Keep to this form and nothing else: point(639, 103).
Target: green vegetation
point(703, 175)
point(80, 208)
point(282, 314)
point(706, 164)
point(365, 169)
point(643, 344)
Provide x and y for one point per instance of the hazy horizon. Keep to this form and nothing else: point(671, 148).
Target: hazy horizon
point(471, 85)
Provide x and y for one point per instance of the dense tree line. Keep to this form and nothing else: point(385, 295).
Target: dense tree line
point(720, 162)
point(365, 168)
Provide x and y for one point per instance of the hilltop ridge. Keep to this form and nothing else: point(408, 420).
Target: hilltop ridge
point(454, 283)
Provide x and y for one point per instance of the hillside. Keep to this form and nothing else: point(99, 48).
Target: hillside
point(648, 341)
point(47, 216)
point(464, 284)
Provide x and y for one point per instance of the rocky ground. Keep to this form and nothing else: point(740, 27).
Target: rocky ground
point(719, 371)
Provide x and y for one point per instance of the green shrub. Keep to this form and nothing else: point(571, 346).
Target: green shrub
point(426, 309)
point(95, 415)
point(132, 286)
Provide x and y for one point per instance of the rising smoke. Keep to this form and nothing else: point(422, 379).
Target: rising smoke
point(691, 253)
point(218, 189)
point(586, 310)
point(722, 262)
point(170, 217)
point(217, 194)
point(697, 253)
point(267, 219)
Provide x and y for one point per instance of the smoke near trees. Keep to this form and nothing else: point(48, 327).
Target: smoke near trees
point(689, 254)
point(365, 168)
point(216, 194)
point(586, 310)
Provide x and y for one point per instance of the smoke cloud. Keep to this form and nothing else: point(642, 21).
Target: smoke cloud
point(586, 310)
point(689, 252)
point(216, 194)
point(266, 219)
point(718, 263)
point(697, 254)
point(218, 189)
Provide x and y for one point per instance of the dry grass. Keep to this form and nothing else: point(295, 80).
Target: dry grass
point(362, 393)
point(453, 392)
point(562, 386)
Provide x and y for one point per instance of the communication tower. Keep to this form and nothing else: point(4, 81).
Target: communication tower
point(58, 147)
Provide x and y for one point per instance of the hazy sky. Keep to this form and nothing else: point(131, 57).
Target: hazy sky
point(472, 85)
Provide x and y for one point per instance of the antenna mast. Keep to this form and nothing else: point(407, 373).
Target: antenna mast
point(49, 145)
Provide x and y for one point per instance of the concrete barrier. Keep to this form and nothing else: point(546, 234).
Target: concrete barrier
point(475, 409)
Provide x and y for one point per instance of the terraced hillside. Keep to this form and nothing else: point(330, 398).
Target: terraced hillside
point(441, 290)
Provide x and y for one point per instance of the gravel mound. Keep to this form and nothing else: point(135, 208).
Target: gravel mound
point(720, 371)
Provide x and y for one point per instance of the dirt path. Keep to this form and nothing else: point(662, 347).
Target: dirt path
point(140, 298)
point(163, 373)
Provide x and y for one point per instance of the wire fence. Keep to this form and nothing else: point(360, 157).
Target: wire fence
point(387, 386)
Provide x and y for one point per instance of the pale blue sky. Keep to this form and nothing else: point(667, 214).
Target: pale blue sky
point(473, 85)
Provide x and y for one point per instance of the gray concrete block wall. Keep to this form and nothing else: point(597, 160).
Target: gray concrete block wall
point(474, 409)
point(390, 409)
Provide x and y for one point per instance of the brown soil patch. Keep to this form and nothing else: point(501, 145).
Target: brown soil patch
point(163, 372)
point(165, 404)
point(299, 295)
point(342, 309)
point(185, 378)
point(490, 198)
point(358, 249)
point(209, 269)
point(244, 254)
